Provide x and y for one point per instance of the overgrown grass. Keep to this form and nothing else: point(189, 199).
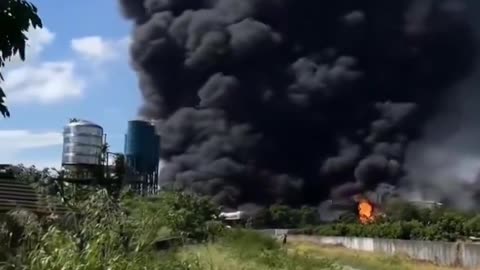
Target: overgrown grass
point(105, 234)
point(363, 260)
point(243, 250)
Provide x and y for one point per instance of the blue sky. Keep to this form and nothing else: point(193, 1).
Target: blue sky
point(77, 66)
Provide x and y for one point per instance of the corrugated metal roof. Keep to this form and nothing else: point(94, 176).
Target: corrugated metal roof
point(232, 215)
point(15, 194)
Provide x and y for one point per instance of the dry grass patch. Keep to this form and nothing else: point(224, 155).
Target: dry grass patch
point(214, 257)
point(364, 260)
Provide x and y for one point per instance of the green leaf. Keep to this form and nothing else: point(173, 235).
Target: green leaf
point(3, 109)
point(16, 17)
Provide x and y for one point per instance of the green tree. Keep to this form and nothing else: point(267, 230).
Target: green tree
point(188, 216)
point(308, 216)
point(402, 211)
point(261, 219)
point(16, 16)
point(119, 166)
point(348, 218)
point(472, 226)
point(281, 216)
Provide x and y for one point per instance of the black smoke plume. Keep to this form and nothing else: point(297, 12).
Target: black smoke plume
point(292, 101)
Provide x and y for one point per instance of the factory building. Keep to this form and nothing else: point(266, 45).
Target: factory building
point(85, 157)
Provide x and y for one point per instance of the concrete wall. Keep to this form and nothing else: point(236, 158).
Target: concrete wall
point(441, 253)
point(274, 232)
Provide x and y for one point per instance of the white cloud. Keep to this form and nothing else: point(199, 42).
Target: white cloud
point(14, 143)
point(18, 140)
point(48, 82)
point(99, 49)
point(34, 81)
point(38, 40)
point(44, 83)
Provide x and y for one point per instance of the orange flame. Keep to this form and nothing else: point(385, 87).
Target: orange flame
point(365, 211)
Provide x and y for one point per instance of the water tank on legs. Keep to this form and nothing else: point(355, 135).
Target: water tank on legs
point(142, 147)
point(82, 143)
point(82, 150)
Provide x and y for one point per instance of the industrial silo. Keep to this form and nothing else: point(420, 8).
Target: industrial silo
point(83, 142)
point(142, 153)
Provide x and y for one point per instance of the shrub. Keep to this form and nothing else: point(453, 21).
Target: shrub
point(189, 216)
point(472, 226)
point(249, 241)
point(101, 234)
point(402, 211)
point(407, 223)
point(266, 251)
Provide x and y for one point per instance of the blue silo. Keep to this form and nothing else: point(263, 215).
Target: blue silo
point(142, 147)
point(155, 151)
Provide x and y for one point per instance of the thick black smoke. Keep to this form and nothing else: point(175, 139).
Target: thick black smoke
point(293, 100)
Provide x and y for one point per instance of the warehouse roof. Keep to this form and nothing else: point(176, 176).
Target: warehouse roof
point(15, 194)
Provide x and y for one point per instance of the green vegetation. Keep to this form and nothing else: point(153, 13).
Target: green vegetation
point(405, 221)
point(401, 221)
point(249, 251)
point(283, 216)
point(112, 230)
point(364, 259)
point(105, 231)
point(16, 17)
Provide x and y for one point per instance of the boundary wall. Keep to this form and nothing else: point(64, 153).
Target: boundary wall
point(460, 254)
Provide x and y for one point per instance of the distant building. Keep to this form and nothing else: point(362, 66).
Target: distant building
point(6, 171)
point(238, 215)
point(426, 204)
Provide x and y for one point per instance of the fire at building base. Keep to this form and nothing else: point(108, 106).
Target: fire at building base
point(369, 206)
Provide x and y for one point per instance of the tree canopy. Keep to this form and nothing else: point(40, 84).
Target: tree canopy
point(16, 17)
